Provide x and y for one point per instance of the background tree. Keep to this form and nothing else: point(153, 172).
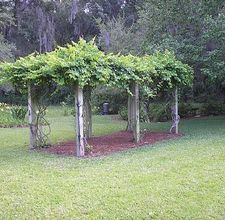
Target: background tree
point(194, 30)
point(6, 49)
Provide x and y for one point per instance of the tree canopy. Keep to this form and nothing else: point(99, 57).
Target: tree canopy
point(6, 48)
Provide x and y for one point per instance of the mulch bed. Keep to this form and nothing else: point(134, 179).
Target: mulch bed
point(105, 145)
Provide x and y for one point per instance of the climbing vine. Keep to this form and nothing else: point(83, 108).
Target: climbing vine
point(84, 64)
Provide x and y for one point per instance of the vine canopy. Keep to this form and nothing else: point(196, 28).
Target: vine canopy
point(84, 64)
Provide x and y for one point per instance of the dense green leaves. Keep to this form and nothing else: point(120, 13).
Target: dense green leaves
point(214, 38)
point(84, 64)
point(6, 48)
point(80, 62)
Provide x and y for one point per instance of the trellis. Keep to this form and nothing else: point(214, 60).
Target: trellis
point(83, 66)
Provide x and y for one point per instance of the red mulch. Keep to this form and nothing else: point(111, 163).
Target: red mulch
point(105, 145)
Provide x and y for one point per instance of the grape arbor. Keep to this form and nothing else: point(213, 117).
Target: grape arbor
point(82, 66)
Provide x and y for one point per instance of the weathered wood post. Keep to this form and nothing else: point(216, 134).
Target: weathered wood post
point(176, 111)
point(87, 113)
point(133, 112)
point(129, 113)
point(79, 121)
point(136, 121)
point(32, 117)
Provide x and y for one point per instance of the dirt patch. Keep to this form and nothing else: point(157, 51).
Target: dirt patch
point(105, 145)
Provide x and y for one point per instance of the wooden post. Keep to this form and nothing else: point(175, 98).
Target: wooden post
point(176, 111)
point(87, 113)
point(129, 113)
point(79, 121)
point(174, 114)
point(135, 113)
point(32, 108)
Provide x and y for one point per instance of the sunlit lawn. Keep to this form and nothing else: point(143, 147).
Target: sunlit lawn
point(176, 179)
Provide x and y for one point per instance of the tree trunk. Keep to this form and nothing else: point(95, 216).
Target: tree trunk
point(79, 121)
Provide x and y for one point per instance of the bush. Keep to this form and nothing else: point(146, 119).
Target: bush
point(13, 97)
point(201, 109)
point(18, 112)
point(12, 115)
point(123, 112)
point(213, 108)
point(187, 110)
point(162, 112)
point(159, 112)
point(67, 110)
point(117, 100)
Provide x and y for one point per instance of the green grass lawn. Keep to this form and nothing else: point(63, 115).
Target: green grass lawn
point(175, 179)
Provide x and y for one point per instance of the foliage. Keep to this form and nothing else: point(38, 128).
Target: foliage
point(67, 110)
point(116, 37)
point(161, 71)
point(84, 64)
point(81, 63)
point(18, 112)
point(12, 115)
point(6, 48)
point(115, 97)
point(4, 107)
point(143, 115)
point(123, 113)
point(214, 38)
point(193, 30)
point(43, 24)
point(27, 70)
point(13, 97)
point(160, 112)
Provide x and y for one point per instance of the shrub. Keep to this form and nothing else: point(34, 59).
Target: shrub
point(116, 98)
point(187, 110)
point(213, 108)
point(162, 112)
point(123, 113)
point(66, 109)
point(18, 112)
point(12, 115)
point(201, 109)
point(159, 112)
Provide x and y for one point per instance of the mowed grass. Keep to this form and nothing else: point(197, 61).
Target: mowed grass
point(175, 179)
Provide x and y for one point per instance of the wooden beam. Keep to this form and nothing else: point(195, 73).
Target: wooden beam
point(79, 121)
